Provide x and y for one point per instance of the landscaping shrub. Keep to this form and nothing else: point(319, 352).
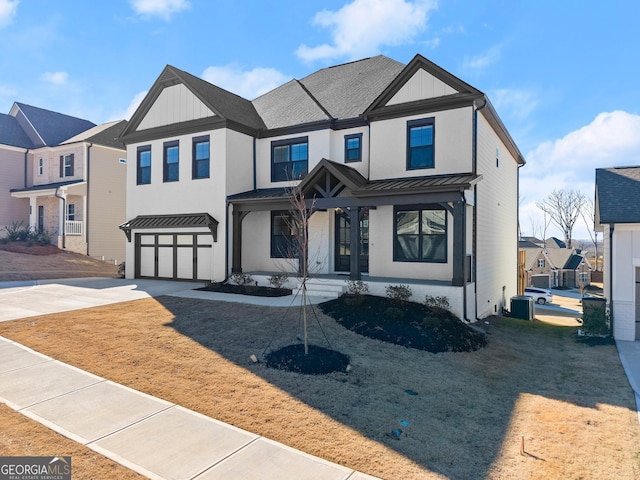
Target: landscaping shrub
point(243, 279)
point(398, 292)
point(16, 232)
point(278, 280)
point(596, 320)
point(357, 288)
point(437, 301)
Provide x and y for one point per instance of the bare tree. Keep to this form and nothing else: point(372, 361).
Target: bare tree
point(588, 215)
point(564, 208)
point(298, 248)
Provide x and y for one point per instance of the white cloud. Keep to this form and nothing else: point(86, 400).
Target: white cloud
point(159, 8)
point(131, 109)
point(611, 139)
point(248, 84)
point(482, 61)
point(388, 22)
point(515, 104)
point(8, 10)
point(55, 78)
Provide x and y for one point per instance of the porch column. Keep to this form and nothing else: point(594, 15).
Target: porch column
point(354, 258)
point(459, 243)
point(236, 243)
point(33, 213)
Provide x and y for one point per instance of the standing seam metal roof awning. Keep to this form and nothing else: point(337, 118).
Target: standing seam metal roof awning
point(187, 220)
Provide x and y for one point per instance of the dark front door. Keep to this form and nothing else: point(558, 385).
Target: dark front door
point(343, 241)
point(40, 225)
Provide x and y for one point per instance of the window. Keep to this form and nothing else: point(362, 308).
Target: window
point(420, 140)
point(41, 166)
point(171, 161)
point(282, 234)
point(420, 235)
point(541, 263)
point(289, 159)
point(143, 165)
point(66, 165)
point(200, 168)
point(71, 212)
point(353, 148)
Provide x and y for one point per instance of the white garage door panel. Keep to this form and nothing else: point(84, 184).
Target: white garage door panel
point(147, 262)
point(185, 262)
point(205, 261)
point(165, 262)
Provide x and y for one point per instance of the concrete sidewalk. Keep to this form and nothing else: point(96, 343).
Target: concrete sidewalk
point(32, 298)
point(156, 438)
point(629, 353)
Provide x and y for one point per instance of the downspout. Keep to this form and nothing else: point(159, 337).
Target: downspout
point(26, 168)
point(474, 170)
point(611, 228)
point(64, 210)
point(86, 215)
point(255, 163)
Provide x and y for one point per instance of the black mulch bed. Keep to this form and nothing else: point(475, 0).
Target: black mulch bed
point(247, 290)
point(409, 324)
point(317, 362)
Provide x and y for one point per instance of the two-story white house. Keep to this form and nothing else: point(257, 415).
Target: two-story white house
point(70, 182)
point(414, 156)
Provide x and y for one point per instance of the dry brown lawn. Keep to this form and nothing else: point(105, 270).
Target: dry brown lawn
point(570, 403)
point(21, 436)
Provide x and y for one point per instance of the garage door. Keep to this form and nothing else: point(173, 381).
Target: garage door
point(174, 256)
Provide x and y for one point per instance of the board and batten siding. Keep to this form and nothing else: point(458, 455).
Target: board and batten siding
point(496, 222)
point(175, 104)
point(421, 86)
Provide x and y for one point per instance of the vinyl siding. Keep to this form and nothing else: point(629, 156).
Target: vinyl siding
point(497, 228)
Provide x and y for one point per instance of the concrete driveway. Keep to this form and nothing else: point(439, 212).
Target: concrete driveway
point(31, 298)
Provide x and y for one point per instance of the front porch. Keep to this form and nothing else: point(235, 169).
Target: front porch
point(330, 286)
point(59, 211)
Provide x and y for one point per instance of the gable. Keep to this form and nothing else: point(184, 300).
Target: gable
point(421, 86)
point(175, 104)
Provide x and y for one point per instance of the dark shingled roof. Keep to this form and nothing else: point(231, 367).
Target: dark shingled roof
point(618, 194)
point(11, 133)
point(339, 92)
point(54, 127)
point(110, 137)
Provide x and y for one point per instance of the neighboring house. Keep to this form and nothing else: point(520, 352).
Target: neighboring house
point(71, 183)
point(617, 215)
point(555, 266)
point(414, 156)
point(553, 242)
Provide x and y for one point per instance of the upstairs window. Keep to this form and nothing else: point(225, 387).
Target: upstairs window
point(171, 161)
point(541, 263)
point(143, 165)
point(420, 143)
point(200, 167)
point(420, 235)
point(66, 165)
point(289, 159)
point(41, 166)
point(353, 148)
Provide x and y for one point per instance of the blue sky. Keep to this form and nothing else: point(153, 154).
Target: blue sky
point(563, 75)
